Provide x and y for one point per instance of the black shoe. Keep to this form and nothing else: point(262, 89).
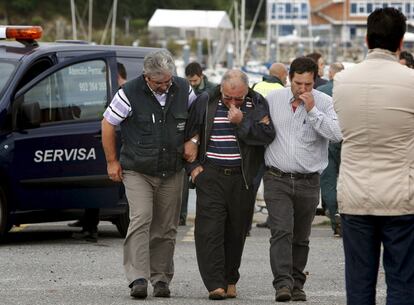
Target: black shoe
point(86, 235)
point(262, 225)
point(338, 229)
point(76, 224)
point(298, 294)
point(139, 289)
point(283, 294)
point(161, 290)
point(182, 222)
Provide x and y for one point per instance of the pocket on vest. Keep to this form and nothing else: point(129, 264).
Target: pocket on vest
point(180, 121)
point(145, 124)
point(145, 159)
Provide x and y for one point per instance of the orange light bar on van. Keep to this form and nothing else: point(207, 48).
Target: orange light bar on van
point(21, 32)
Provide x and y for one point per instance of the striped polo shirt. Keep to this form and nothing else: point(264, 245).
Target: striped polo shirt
point(223, 149)
point(120, 108)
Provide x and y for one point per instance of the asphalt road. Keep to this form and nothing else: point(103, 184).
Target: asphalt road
point(41, 264)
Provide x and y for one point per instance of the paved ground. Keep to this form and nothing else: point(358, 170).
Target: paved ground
point(41, 264)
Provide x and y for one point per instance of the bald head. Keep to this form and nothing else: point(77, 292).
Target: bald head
point(279, 70)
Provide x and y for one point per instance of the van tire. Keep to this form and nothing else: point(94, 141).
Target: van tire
point(122, 223)
point(5, 226)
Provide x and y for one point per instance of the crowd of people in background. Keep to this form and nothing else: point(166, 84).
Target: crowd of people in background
point(349, 138)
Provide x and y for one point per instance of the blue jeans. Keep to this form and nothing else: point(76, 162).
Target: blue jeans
point(362, 237)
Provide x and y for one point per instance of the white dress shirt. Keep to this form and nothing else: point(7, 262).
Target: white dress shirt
point(302, 138)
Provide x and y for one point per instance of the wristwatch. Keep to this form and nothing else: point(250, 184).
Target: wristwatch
point(195, 141)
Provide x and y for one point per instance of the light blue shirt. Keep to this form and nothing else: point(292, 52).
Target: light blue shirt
point(302, 138)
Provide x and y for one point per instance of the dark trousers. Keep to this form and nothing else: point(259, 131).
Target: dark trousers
point(291, 203)
point(184, 200)
point(362, 237)
point(90, 220)
point(329, 179)
point(256, 184)
point(223, 214)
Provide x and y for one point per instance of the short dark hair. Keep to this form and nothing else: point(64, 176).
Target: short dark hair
point(303, 64)
point(121, 70)
point(385, 29)
point(314, 56)
point(193, 68)
point(409, 59)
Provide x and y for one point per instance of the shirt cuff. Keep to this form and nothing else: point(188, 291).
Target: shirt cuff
point(313, 114)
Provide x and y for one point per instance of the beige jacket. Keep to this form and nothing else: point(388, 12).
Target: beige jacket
point(374, 101)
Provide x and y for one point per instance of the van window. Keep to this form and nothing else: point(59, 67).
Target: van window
point(133, 66)
point(7, 69)
point(77, 92)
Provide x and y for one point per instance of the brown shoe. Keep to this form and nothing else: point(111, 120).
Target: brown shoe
point(298, 294)
point(283, 294)
point(217, 294)
point(161, 290)
point(139, 288)
point(231, 291)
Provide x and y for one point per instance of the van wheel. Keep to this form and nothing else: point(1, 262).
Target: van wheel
point(5, 226)
point(122, 223)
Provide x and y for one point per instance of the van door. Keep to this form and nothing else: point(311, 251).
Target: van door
point(58, 160)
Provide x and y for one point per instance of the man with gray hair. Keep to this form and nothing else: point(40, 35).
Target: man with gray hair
point(152, 112)
point(232, 125)
point(333, 69)
point(329, 177)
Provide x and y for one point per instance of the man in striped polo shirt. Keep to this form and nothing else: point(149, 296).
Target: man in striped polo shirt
point(305, 122)
point(151, 110)
point(232, 125)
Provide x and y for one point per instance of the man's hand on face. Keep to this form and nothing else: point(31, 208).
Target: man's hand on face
point(308, 100)
point(235, 115)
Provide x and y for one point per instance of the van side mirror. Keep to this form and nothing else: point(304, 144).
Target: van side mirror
point(29, 115)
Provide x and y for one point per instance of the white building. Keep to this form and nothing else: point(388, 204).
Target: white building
point(189, 24)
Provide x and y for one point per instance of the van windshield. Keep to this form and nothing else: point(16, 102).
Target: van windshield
point(7, 69)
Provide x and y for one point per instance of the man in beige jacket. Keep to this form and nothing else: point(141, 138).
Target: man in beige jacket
point(374, 101)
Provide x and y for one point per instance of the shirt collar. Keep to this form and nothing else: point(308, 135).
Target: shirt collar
point(381, 54)
point(202, 84)
point(157, 94)
point(290, 96)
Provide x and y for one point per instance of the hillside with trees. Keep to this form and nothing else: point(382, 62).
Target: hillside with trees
point(132, 16)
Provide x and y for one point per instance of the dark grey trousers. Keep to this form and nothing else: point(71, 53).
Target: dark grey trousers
point(291, 204)
point(223, 215)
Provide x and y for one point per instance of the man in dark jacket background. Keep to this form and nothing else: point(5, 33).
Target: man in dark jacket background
point(196, 78)
point(329, 177)
point(232, 125)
